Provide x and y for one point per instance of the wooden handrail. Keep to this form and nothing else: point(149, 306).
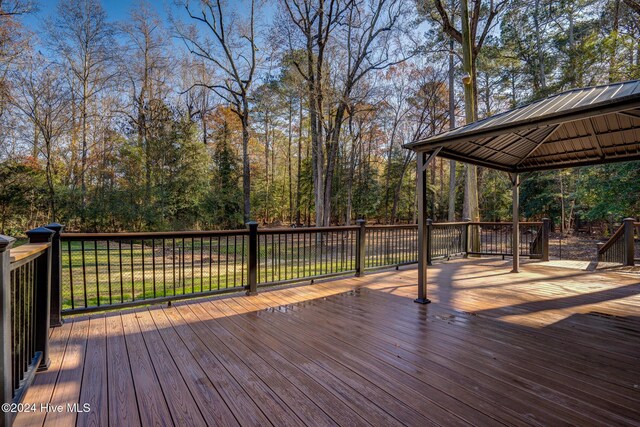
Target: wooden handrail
point(302, 230)
point(503, 223)
point(25, 253)
point(617, 235)
point(149, 235)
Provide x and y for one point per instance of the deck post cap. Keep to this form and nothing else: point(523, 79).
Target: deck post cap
point(55, 226)
point(6, 242)
point(361, 221)
point(40, 234)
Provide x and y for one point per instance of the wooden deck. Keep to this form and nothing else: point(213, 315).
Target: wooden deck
point(547, 346)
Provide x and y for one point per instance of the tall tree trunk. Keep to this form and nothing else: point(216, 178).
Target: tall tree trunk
point(350, 177)
point(613, 63)
point(452, 124)
point(266, 165)
point(246, 169)
point(289, 159)
point(298, 195)
point(332, 154)
point(542, 81)
point(317, 149)
point(83, 161)
point(470, 209)
point(398, 188)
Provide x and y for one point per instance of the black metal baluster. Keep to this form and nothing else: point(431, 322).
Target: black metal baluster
point(70, 274)
point(235, 260)
point(243, 262)
point(286, 251)
point(173, 264)
point(183, 268)
point(144, 274)
point(133, 289)
point(218, 269)
point(193, 265)
point(210, 260)
point(120, 268)
point(201, 264)
point(164, 268)
point(84, 274)
point(109, 271)
point(226, 261)
point(153, 265)
point(304, 255)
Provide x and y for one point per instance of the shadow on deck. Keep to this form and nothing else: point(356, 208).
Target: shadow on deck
point(547, 346)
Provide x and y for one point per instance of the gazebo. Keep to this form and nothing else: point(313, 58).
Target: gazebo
point(579, 127)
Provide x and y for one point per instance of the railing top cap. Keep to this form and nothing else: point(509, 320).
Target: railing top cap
point(40, 230)
point(6, 242)
point(55, 226)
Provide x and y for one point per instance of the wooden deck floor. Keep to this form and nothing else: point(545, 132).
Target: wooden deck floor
point(547, 346)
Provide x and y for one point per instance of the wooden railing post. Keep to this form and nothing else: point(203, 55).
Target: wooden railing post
point(6, 373)
point(599, 256)
point(361, 247)
point(466, 237)
point(628, 241)
point(546, 230)
point(56, 275)
point(43, 294)
point(429, 238)
point(252, 288)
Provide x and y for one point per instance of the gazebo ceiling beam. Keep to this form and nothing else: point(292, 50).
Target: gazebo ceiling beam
point(629, 114)
point(611, 158)
point(588, 123)
point(539, 144)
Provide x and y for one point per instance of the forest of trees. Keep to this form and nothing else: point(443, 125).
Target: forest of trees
point(211, 113)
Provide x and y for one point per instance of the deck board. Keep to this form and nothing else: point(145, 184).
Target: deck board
point(547, 346)
point(123, 407)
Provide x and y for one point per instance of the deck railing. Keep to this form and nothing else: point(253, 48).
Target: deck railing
point(496, 238)
point(620, 248)
point(25, 297)
point(123, 269)
point(105, 270)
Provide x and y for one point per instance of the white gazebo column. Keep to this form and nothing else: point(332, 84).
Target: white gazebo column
point(515, 235)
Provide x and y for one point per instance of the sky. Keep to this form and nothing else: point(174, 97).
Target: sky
point(117, 10)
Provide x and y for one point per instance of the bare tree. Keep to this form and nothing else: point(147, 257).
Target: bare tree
point(366, 44)
point(229, 45)
point(83, 38)
point(43, 98)
point(315, 20)
point(14, 42)
point(147, 67)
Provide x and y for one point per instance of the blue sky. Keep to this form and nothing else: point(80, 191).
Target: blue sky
point(117, 10)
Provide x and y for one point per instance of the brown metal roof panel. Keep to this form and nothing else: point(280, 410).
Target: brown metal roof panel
point(502, 141)
point(596, 94)
point(563, 103)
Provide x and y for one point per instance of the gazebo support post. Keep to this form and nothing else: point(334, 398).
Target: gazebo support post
point(422, 161)
point(515, 235)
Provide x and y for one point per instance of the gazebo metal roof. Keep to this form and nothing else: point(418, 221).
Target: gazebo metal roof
point(578, 127)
